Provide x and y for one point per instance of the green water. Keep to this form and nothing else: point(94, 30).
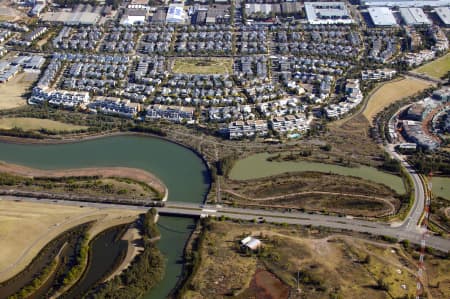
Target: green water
point(184, 173)
point(175, 232)
point(256, 166)
point(441, 187)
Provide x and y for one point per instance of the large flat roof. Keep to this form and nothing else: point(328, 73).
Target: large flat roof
point(406, 3)
point(444, 14)
point(382, 16)
point(327, 13)
point(414, 16)
point(71, 18)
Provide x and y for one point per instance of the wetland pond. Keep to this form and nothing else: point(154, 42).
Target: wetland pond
point(256, 166)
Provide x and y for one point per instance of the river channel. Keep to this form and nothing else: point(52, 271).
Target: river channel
point(181, 170)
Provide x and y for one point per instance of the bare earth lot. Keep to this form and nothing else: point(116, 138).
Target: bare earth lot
point(32, 124)
point(392, 92)
point(329, 265)
point(10, 14)
point(26, 227)
point(202, 66)
point(12, 92)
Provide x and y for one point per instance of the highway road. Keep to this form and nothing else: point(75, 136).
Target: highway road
point(401, 232)
point(412, 219)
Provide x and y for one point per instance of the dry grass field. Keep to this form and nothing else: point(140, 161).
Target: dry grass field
point(26, 227)
point(12, 92)
point(204, 66)
point(314, 191)
point(33, 124)
point(437, 68)
point(8, 13)
point(392, 92)
point(330, 265)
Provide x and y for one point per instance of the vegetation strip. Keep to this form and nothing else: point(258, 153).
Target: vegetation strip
point(123, 173)
point(143, 273)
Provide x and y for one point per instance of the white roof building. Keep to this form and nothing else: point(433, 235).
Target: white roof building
point(414, 16)
point(176, 14)
point(251, 243)
point(444, 14)
point(382, 16)
point(134, 16)
point(406, 3)
point(327, 13)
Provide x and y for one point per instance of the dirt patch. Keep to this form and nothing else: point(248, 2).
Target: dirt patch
point(8, 13)
point(328, 265)
point(202, 65)
point(13, 91)
point(265, 285)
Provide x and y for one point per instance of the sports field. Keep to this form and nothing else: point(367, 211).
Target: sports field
point(26, 227)
point(12, 92)
point(202, 66)
point(32, 124)
point(392, 92)
point(437, 68)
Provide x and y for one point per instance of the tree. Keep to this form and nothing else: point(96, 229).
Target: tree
point(382, 285)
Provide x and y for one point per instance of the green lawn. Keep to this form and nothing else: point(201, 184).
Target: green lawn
point(203, 66)
point(441, 187)
point(32, 124)
point(437, 68)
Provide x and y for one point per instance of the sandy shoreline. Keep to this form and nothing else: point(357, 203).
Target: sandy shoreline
point(132, 237)
point(105, 172)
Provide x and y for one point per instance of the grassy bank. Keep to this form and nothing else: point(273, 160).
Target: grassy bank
point(44, 267)
point(37, 124)
point(314, 191)
point(89, 185)
point(391, 92)
point(437, 68)
point(258, 166)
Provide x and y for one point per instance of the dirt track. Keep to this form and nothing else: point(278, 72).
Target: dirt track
point(123, 172)
point(384, 200)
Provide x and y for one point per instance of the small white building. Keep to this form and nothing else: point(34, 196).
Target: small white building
point(134, 16)
point(251, 243)
point(176, 14)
